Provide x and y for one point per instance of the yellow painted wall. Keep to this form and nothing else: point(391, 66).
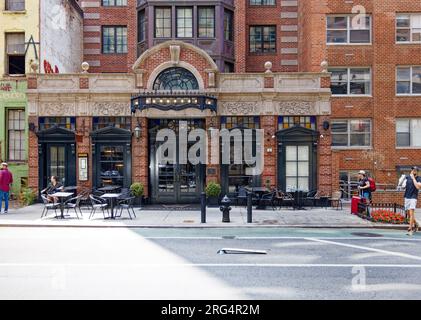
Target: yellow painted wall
point(26, 21)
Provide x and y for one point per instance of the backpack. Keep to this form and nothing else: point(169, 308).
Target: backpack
point(372, 184)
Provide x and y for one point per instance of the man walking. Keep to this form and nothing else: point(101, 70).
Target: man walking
point(364, 188)
point(413, 184)
point(6, 179)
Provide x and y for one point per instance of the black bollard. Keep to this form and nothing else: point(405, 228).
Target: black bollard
point(249, 208)
point(203, 207)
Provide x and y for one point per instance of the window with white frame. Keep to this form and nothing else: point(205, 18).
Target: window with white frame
point(16, 134)
point(408, 132)
point(408, 80)
point(408, 28)
point(351, 133)
point(350, 81)
point(348, 29)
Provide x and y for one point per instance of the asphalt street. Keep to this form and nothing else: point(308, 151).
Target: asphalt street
point(170, 263)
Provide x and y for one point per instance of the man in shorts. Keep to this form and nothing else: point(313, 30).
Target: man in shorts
point(413, 185)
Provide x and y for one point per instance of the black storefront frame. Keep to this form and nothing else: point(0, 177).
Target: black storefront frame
point(111, 136)
point(61, 137)
point(297, 136)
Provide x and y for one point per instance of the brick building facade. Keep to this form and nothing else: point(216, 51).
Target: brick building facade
point(341, 91)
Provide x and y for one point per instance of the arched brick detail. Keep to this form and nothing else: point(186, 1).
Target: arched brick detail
point(155, 57)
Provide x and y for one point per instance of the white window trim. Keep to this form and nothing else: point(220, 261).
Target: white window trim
point(396, 132)
point(348, 32)
point(349, 147)
point(348, 95)
point(410, 83)
point(410, 29)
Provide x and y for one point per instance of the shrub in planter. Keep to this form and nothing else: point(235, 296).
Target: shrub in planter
point(28, 196)
point(137, 190)
point(213, 190)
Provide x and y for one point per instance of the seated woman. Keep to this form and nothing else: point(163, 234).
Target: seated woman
point(53, 187)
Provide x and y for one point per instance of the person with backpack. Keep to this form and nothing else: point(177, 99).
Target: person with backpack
point(364, 188)
point(412, 185)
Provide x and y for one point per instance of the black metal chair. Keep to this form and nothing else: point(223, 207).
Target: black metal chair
point(48, 206)
point(85, 201)
point(74, 203)
point(287, 199)
point(269, 199)
point(125, 193)
point(98, 203)
point(312, 197)
point(126, 204)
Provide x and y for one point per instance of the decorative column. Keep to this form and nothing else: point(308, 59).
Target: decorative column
point(33, 154)
point(269, 125)
point(83, 146)
point(213, 168)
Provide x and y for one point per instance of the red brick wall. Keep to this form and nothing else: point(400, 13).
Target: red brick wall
point(33, 156)
point(391, 197)
point(83, 145)
point(113, 16)
point(140, 155)
point(269, 125)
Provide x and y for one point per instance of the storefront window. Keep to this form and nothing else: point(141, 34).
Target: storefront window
point(61, 122)
point(236, 173)
point(112, 165)
point(117, 122)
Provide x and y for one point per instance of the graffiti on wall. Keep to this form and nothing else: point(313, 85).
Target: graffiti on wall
point(49, 69)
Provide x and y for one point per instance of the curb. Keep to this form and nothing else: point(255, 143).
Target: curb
point(204, 226)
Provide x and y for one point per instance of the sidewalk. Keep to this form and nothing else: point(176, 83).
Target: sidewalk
point(310, 218)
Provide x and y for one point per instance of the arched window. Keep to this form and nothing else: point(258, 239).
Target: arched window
point(175, 79)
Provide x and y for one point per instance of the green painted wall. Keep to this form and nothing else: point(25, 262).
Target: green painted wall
point(13, 96)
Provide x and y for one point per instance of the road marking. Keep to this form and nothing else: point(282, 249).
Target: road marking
point(217, 265)
point(392, 253)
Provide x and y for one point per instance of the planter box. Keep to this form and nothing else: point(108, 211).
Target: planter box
point(212, 202)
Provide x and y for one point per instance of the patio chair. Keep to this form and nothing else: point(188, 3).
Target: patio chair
point(287, 199)
point(312, 197)
point(336, 200)
point(269, 199)
point(48, 206)
point(126, 204)
point(98, 203)
point(85, 201)
point(125, 193)
point(74, 203)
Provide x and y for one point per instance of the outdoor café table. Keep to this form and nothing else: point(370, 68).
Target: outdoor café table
point(109, 188)
point(111, 197)
point(260, 191)
point(62, 197)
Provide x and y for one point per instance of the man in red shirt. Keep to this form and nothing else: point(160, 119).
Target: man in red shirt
point(6, 179)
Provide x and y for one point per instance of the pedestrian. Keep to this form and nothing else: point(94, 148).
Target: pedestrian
point(412, 187)
point(6, 179)
point(364, 189)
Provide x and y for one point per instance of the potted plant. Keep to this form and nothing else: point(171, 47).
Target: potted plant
point(137, 190)
point(213, 190)
point(28, 197)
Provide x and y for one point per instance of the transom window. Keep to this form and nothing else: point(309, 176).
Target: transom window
point(285, 122)
point(114, 39)
point(408, 132)
point(185, 22)
point(408, 28)
point(62, 122)
point(141, 26)
point(162, 22)
point(113, 3)
point(262, 2)
point(350, 81)
point(348, 29)
point(176, 79)
point(408, 80)
point(263, 39)
point(117, 122)
point(16, 135)
point(240, 122)
point(351, 133)
point(206, 22)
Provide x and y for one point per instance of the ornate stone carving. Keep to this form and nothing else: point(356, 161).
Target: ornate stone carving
point(57, 109)
point(296, 108)
point(111, 109)
point(239, 107)
point(211, 76)
point(175, 54)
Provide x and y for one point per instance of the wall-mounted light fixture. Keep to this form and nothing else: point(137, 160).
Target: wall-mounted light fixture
point(326, 125)
point(138, 131)
point(32, 126)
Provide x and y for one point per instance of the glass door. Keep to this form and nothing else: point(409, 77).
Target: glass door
point(56, 165)
point(297, 168)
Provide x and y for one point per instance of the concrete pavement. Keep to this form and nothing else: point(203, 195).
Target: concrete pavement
point(314, 218)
